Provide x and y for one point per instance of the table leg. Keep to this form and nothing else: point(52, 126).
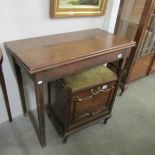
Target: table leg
point(120, 74)
point(41, 112)
point(20, 85)
point(5, 94)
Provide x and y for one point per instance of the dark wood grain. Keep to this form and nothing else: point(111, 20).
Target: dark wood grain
point(95, 42)
point(74, 110)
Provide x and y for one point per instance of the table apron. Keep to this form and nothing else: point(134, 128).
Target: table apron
point(59, 72)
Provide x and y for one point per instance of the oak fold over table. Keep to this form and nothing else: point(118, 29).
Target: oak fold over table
point(52, 57)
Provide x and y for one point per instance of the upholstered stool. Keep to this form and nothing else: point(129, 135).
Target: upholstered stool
point(4, 88)
point(94, 76)
point(83, 99)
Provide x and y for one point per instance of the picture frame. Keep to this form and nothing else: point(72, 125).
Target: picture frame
point(72, 8)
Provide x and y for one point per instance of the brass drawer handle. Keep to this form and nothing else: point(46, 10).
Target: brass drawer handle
point(93, 94)
point(84, 99)
point(99, 89)
point(95, 113)
point(89, 114)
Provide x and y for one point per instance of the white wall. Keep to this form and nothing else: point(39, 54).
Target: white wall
point(30, 18)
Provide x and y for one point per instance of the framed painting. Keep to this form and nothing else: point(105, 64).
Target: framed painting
point(70, 8)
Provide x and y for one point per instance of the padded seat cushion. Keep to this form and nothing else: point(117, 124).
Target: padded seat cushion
point(93, 76)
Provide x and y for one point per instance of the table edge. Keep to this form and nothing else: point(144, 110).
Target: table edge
point(48, 67)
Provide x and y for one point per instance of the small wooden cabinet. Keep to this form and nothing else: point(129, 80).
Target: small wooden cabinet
point(136, 21)
point(74, 109)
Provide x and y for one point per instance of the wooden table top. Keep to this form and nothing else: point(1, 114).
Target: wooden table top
point(42, 53)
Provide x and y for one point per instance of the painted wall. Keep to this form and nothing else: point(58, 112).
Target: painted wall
point(26, 18)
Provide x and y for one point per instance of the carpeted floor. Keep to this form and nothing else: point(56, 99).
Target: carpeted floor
point(130, 131)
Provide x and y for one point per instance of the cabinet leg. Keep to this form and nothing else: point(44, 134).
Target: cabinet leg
point(65, 139)
point(105, 121)
point(123, 87)
point(49, 115)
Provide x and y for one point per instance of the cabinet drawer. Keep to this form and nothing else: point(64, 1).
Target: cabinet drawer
point(91, 102)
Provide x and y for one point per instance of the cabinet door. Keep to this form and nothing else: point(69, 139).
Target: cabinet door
point(141, 67)
point(136, 22)
point(91, 103)
point(147, 44)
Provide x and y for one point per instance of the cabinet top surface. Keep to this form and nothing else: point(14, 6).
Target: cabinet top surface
point(42, 53)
